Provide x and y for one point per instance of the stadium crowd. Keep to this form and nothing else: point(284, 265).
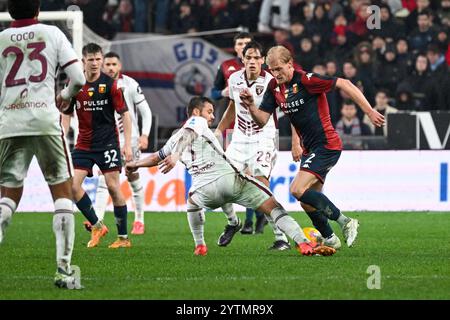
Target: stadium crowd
point(402, 65)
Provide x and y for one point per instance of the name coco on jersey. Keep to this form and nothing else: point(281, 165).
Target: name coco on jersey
point(292, 106)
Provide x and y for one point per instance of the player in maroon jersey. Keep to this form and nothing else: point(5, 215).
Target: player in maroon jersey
point(98, 143)
point(301, 96)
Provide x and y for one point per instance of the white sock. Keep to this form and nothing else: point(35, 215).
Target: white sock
point(279, 235)
point(342, 220)
point(101, 198)
point(64, 229)
point(7, 208)
point(288, 225)
point(196, 219)
point(138, 196)
point(228, 209)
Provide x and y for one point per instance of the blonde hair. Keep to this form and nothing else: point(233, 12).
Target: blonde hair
point(282, 53)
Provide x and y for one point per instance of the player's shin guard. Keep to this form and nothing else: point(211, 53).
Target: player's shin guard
point(279, 235)
point(320, 222)
point(230, 214)
point(64, 229)
point(7, 208)
point(288, 225)
point(196, 219)
point(138, 196)
point(85, 206)
point(120, 214)
point(101, 197)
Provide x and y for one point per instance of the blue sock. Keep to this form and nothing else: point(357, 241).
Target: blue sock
point(258, 214)
point(249, 215)
point(120, 213)
point(320, 222)
point(319, 201)
point(86, 208)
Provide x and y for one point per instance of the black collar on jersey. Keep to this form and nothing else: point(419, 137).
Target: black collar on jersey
point(261, 74)
point(23, 23)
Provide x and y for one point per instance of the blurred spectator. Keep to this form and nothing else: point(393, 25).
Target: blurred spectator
point(411, 20)
point(383, 107)
point(125, 16)
point(442, 39)
point(140, 15)
point(391, 72)
point(423, 34)
point(378, 46)
point(419, 83)
point(281, 38)
point(440, 73)
point(319, 69)
point(265, 15)
point(185, 21)
point(320, 24)
point(359, 25)
point(306, 55)
point(297, 33)
point(333, 96)
point(404, 57)
point(221, 15)
point(365, 61)
point(444, 13)
point(350, 72)
point(389, 28)
point(403, 99)
point(53, 5)
point(351, 125)
point(161, 15)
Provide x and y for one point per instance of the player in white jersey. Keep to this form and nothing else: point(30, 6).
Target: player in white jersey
point(252, 149)
point(137, 104)
point(217, 182)
point(30, 121)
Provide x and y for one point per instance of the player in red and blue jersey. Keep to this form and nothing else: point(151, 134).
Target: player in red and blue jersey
point(302, 97)
point(98, 143)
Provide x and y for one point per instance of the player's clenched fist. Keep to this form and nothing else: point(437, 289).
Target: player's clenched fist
point(246, 98)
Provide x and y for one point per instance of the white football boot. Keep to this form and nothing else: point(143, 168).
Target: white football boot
point(350, 231)
point(332, 241)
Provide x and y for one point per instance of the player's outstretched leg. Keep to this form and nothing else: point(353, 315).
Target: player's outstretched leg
point(319, 201)
point(7, 208)
point(281, 241)
point(233, 226)
point(138, 197)
point(292, 229)
point(196, 219)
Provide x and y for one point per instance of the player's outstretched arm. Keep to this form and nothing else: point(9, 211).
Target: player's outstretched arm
point(146, 115)
point(152, 160)
point(259, 116)
point(76, 82)
point(356, 95)
point(227, 118)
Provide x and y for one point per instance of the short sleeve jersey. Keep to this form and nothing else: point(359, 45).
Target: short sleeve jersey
point(304, 101)
point(245, 129)
point(31, 53)
point(205, 159)
point(95, 105)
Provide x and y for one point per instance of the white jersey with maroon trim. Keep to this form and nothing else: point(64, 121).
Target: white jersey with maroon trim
point(31, 53)
point(245, 129)
point(133, 96)
point(205, 159)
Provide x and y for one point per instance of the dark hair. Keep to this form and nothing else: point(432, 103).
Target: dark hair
point(112, 54)
point(242, 35)
point(386, 93)
point(253, 45)
point(91, 48)
point(348, 102)
point(425, 12)
point(434, 48)
point(23, 9)
point(197, 102)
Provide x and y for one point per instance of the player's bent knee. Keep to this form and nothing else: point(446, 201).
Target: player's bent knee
point(297, 192)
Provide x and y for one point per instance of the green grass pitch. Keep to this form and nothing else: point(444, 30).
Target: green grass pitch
point(412, 251)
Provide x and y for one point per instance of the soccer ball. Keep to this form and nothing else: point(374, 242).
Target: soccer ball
point(311, 233)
